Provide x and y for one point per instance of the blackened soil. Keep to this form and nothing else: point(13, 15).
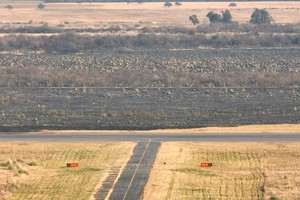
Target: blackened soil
point(145, 108)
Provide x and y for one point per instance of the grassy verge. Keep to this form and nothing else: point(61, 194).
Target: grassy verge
point(38, 170)
point(240, 171)
point(257, 129)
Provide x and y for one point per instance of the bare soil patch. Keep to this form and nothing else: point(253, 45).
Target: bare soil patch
point(240, 170)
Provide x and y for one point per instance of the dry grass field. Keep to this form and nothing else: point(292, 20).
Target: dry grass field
point(239, 171)
point(38, 170)
point(264, 128)
point(102, 14)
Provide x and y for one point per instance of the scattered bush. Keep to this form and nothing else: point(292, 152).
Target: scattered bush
point(9, 7)
point(40, 6)
point(168, 4)
point(177, 3)
point(32, 163)
point(194, 19)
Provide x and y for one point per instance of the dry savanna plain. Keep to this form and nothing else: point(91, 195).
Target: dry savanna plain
point(120, 66)
point(154, 14)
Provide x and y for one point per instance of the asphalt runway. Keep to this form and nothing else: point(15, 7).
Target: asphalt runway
point(142, 137)
point(133, 179)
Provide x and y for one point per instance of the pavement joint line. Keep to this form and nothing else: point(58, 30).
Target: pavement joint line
point(137, 169)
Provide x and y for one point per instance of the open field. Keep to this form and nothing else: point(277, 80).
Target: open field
point(239, 171)
point(102, 14)
point(38, 170)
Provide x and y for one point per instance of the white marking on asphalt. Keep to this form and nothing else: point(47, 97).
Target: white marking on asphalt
point(136, 169)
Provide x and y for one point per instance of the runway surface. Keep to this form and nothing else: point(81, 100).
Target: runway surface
point(134, 177)
point(141, 137)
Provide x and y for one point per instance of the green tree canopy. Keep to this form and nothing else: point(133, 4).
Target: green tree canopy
point(226, 17)
point(213, 17)
point(260, 16)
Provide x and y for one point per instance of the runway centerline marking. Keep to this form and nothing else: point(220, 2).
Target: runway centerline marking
point(137, 169)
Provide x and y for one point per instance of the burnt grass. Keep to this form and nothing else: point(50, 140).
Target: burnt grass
point(35, 104)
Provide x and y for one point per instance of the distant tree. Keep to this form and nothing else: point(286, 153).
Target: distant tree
point(177, 3)
point(260, 16)
point(213, 17)
point(217, 18)
point(226, 17)
point(232, 4)
point(40, 6)
point(194, 19)
point(9, 7)
point(168, 4)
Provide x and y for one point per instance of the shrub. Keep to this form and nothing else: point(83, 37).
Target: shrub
point(177, 3)
point(40, 6)
point(194, 19)
point(168, 4)
point(32, 163)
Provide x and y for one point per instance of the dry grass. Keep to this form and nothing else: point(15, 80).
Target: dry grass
point(98, 14)
point(269, 128)
point(38, 170)
point(240, 171)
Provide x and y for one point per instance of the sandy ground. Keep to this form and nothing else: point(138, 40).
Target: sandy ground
point(271, 129)
point(102, 14)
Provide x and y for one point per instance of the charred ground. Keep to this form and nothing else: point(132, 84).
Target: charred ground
point(150, 89)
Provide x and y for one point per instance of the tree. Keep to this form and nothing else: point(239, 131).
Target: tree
point(194, 19)
point(226, 17)
point(40, 6)
point(260, 16)
point(9, 7)
point(232, 4)
point(217, 18)
point(213, 17)
point(168, 4)
point(178, 3)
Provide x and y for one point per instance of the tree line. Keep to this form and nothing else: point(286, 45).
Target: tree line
point(72, 42)
point(259, 16)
